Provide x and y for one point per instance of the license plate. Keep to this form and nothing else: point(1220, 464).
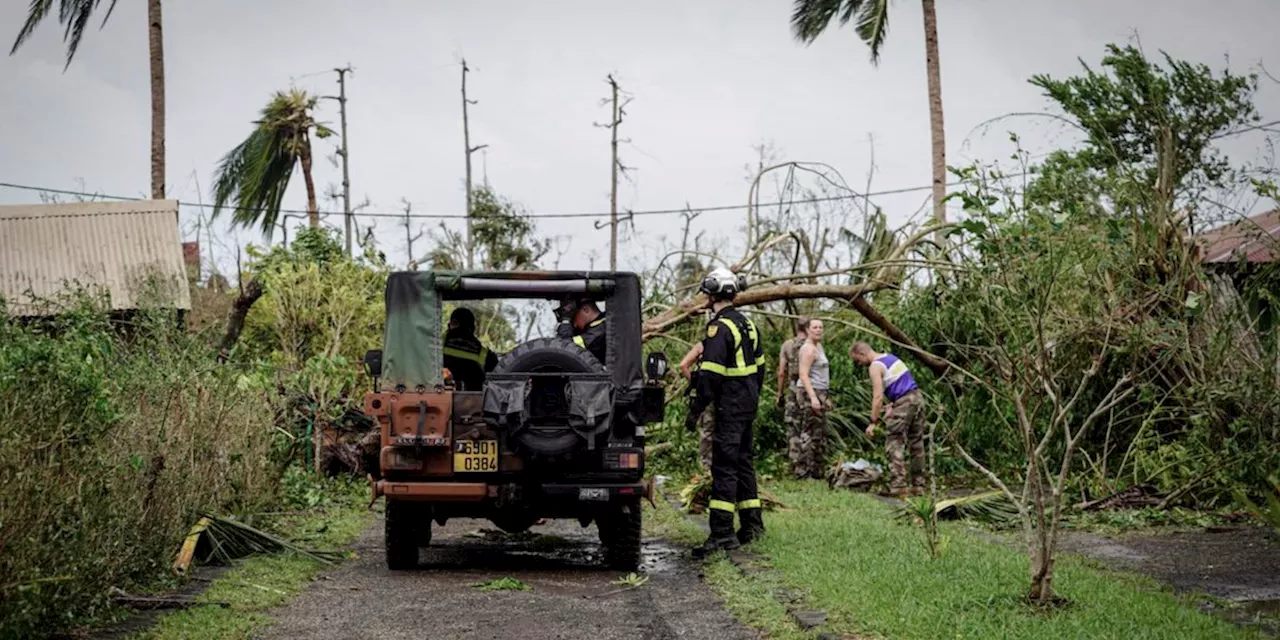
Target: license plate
point(475, 456)
point(593, 494)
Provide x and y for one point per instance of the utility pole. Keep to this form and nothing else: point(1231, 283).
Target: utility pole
point(615, 165)
point(346, 176)
point(466, 142)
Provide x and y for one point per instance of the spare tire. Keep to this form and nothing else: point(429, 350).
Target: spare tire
point(548, 355)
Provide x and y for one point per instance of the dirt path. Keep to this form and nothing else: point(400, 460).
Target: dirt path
point(571, 596)
point(1239, 565)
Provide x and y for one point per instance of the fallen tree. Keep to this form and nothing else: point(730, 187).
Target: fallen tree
point(871, 277)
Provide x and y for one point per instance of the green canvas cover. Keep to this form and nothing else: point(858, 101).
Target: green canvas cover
point(412, 348)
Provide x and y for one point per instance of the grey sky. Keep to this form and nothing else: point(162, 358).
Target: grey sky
point(710, 79)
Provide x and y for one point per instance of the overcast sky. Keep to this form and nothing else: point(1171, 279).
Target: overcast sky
point(710, 79)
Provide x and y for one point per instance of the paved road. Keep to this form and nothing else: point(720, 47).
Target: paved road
point(571, 596)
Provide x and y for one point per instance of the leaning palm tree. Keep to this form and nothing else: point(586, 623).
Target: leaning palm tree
point(809, 18)
point(74, 16)
point(255, 174)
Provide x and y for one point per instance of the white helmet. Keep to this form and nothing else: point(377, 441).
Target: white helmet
point(722, 282)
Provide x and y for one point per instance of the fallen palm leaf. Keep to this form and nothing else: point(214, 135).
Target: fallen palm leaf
point(505, 583)
point(221, 540)
point(695, 496)
point(988, 506)
point(145, 603)
point(632, 580)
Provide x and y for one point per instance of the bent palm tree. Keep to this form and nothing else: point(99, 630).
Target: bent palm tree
point(255, 174)
point(809, 18)
point(74, 16)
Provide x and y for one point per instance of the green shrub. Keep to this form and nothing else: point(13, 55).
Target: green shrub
point(114, 436)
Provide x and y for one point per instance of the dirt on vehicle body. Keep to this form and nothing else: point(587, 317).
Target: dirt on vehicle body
point(553, 433)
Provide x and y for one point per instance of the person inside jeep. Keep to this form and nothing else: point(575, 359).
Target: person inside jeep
point(582, 321)
point(465, 358)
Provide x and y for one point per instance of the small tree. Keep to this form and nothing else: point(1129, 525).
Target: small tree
point(502, 233)
point(1033, 317)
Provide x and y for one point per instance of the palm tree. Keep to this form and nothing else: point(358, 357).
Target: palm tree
point(809, 18)
point(255, 174)
point(74, 16)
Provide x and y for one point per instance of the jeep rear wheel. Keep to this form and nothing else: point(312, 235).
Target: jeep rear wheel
point(620, 535)
point(408, 527)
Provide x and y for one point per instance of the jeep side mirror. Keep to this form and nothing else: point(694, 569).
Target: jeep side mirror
point(373, 363)
point(657, 366)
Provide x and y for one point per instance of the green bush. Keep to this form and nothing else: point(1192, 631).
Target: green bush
point(114, 436)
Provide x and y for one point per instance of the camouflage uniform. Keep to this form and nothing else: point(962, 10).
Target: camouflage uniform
point(905, 428)
point(793, 411)
point(706, 426)
point(808, 447)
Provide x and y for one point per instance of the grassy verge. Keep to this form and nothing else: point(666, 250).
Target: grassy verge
point(259, 583)
point(874, 578)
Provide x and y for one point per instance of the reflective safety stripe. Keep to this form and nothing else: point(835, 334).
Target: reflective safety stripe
point(580, 342)
point(721, 505)
point(741, 368)
point(753, 503)
point(477, 358)
point(595, 323)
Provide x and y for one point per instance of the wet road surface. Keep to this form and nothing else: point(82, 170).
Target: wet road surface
point(571, 596)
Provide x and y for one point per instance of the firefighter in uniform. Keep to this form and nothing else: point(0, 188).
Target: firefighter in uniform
point(466, 359)
point(583, 322)
point(729, 380)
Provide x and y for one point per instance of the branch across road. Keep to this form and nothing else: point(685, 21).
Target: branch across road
point(570, 596)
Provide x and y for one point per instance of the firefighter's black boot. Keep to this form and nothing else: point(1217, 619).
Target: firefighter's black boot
point(752, 528)
point(722, 537)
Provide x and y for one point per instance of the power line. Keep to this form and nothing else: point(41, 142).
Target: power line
point(541, 216)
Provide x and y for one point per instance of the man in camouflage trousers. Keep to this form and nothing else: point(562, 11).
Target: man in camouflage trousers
point(789, 397)
point(707, 421)
point(904, 418)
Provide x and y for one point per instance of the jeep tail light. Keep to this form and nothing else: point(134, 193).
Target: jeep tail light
point(622, 460)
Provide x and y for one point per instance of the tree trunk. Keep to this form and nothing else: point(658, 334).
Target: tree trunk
point(935, 116)
point(1041, 592)
point(156, 46)
point(313, 210)
point(863, 306)
point(249, 294)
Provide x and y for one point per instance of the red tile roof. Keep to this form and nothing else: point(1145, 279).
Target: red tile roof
point(1255, 239)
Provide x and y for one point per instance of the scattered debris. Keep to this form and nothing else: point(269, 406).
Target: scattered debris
point(505, 583)
point(809, 619)
point(221, 540)
point(987, 506)
point(858, 475)
point(1137, 496)
point(695, 496)
point(146, 603)
point(496, 535)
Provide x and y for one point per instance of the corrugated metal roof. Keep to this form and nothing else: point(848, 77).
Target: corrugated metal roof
point(1255, 239)
point(131, 250)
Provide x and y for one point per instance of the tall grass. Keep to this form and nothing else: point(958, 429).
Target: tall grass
point(113, 436)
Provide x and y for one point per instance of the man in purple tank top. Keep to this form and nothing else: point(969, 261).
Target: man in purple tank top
point(904, 417)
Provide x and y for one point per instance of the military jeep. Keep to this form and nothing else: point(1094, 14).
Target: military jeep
point(553, 433)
